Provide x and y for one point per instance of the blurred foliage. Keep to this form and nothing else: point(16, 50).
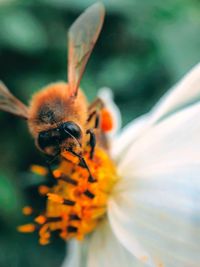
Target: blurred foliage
point(144, 48)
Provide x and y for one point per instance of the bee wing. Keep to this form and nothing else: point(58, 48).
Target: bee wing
point(82, 37)
point(11, 104)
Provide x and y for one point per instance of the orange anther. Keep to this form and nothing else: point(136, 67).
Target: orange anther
point(27, 210)
point(57, 173)
point(26, 228)
point(55, 198)
point(40, 170)
point(43, 189)
point(44, 241)
point(63, 234)
point(43, 230)
point(40, 219)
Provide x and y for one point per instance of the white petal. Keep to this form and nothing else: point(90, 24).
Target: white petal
point(76, 254)
point(164, 217)
point(127, 136)
point(106, 251)
point(183, 94)
point(106, 95)
point(175, 141)
point(159, 201)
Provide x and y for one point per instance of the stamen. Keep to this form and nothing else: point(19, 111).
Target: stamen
point(89, 194)
point(54, 219)
point(40, 219)
point(78, 199)
point(68, 179)
point(26, 228)
point(91, 179)
point(68, 202)
point(59, 175)
point(61, 200)
point(44, 234)
point(43, 189)
point(40, 170)
point(55, 198)
point(72, 229)
point(27, 210)
point(44, 241)
point(44, 231)
point(63, 234)
point(74, 217)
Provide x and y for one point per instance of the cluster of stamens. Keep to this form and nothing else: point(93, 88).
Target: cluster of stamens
point(78, 201)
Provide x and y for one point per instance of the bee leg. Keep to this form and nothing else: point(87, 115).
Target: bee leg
point(92, 115)
point(50, 171)
point(54, 157)
point(97, 121)
point(83, 164)
point(92, 142)
point(49, 163)
point(96, 104)
point(94, 112)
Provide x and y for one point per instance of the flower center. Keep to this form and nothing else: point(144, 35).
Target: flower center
point(76, 203)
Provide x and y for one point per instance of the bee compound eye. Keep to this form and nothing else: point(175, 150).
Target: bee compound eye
point(43, 139)
point(71, 128)
point(47, 138)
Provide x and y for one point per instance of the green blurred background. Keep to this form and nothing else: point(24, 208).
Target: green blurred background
point(145, 47)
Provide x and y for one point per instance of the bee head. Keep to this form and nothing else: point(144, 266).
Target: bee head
point(55, 118)
point(65, 136)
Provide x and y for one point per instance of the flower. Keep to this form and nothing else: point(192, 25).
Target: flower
point(153, 210)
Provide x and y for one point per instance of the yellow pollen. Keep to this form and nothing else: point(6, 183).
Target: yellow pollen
point(78, 201)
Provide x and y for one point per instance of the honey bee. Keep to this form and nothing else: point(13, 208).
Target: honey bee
point(59, 116)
